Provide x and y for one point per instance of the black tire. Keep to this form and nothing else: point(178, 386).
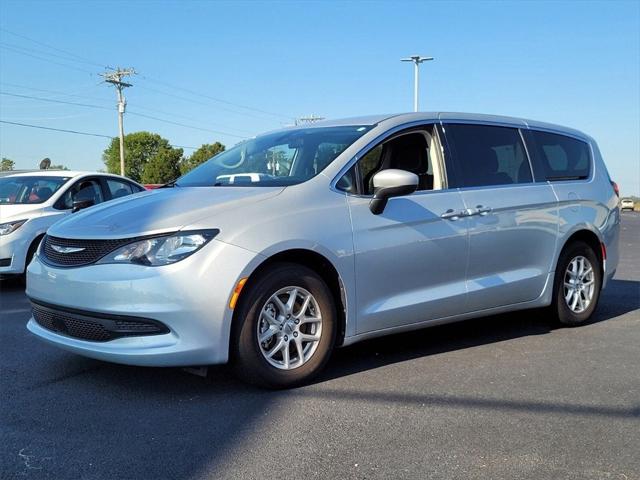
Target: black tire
point(246, 356)
point(559, 308)
point(30, 253)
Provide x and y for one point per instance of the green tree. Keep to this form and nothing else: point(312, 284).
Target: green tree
point(201, 155)
point(163, 167)
point(57, 167)
point(139, 149)
point(7, 164)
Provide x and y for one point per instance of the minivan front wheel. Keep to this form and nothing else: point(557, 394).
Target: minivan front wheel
point(285, 327)
point(577, 284)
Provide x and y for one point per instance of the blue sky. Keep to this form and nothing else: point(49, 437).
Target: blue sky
point(573, 63)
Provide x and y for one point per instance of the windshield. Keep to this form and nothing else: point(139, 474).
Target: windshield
point(26, 190)
point(276, 159)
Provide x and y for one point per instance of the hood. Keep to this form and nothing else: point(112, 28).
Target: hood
point(19, 211)
point(158, 211)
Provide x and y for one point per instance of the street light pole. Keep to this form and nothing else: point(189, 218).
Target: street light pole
point(417, 60)
point(416, 81)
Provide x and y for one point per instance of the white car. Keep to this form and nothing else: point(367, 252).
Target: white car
point(626, 204)
point(245, 178)
point(31, 202)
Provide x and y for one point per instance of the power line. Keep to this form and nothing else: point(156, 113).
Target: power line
point(79, 57)
point(51, 100)
point(191, 118)
point(57, 92)
point(215, 99)
point(199, 102)
point(76, 132)
point(31, 118)
point(39, 52)
point(138, 114)
point(313, 118)
point(185, 125)
point(48, 60)
point(56, 129)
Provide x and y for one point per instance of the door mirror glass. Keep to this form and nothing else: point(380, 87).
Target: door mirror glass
point(391, 183)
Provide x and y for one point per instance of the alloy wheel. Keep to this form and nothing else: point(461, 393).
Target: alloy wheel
point(579, 284)
point(289, 328)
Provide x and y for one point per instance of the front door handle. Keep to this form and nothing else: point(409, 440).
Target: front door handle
point(451, 215)
point(482, 210)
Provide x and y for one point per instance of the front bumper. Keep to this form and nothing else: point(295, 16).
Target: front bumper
point(190, 297)
point(13, 247)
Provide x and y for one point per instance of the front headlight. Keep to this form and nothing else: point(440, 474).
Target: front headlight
point(161, 250)
point(9, 227)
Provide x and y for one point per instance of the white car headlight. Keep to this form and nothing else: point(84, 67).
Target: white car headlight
point(161, 250)
point(9, 227)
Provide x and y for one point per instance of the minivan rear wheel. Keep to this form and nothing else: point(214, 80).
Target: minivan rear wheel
point(285, 327)
point(578, 281)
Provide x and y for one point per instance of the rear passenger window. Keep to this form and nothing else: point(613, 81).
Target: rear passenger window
point(558, 157)
point(485, 155)
point(119, 189)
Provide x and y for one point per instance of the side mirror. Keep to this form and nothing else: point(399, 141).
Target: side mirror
point(80, 204)
point(391, 183)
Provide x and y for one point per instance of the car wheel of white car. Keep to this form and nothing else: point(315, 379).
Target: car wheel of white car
point(578, 281)
point(284, 327)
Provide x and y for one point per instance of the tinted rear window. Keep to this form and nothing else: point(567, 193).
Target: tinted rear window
point(558, 157)
point(486, 155)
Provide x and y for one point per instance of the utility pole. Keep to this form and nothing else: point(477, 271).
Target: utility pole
point(115, 77)
point(417, 60)
point(309, 119)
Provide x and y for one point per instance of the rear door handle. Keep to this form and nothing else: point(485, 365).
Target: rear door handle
point(451, 215)
point(482, 210)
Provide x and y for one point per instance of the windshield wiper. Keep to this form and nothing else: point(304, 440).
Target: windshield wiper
point(169, 185)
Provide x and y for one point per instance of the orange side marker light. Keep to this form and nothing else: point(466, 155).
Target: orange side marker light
point(236, 292)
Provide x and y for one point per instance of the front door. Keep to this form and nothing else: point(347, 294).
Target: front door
point(410, 261)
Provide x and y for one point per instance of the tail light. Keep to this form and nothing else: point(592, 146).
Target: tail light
point(615, 188)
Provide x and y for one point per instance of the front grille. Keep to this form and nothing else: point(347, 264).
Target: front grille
point(92, 250)
point(93, 326)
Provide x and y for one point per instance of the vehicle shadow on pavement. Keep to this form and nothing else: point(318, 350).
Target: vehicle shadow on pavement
point(11, 284)
point(620, 297)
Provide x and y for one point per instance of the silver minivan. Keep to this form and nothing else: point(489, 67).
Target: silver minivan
point(330, 234)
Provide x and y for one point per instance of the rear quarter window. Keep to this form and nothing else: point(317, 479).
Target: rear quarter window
point(558, 157)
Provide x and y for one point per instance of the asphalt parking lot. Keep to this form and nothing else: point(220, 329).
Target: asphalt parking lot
point(509, 396)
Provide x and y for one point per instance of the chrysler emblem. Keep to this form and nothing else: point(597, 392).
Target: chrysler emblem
point(61, 249)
